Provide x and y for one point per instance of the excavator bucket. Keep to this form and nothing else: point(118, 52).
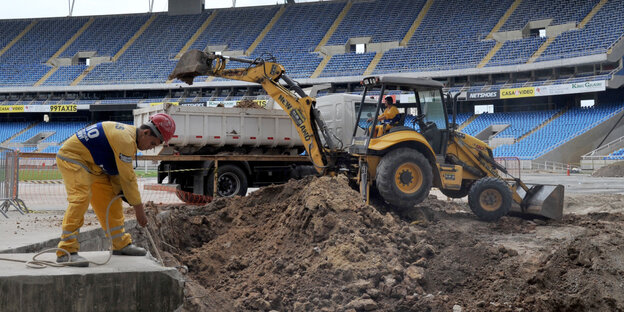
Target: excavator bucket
point(192, 64)
point(545, 200)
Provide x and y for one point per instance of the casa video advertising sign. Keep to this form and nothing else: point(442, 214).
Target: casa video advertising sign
point(517, 93)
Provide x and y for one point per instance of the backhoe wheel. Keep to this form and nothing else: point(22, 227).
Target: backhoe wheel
point(231, 181)
point(490, 198)
point(404, 178)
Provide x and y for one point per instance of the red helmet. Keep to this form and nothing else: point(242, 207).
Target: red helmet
point(163, 126)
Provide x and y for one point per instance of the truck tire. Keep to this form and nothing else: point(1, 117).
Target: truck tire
point(490, 199)
point(404, 178)
point(232, 181)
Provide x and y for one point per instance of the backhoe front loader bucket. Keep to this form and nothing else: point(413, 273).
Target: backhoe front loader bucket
point(192, 64)
point(544, 200)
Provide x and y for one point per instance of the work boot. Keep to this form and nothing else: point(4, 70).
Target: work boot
point(74, 260)
point(130, 250)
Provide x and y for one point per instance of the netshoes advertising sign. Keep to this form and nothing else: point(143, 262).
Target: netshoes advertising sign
point(482, 96)
point(517, 93)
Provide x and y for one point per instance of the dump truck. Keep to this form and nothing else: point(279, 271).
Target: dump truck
point(402, 164)
point(234, 133)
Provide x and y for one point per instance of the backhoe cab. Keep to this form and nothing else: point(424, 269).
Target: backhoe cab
point(424, 150)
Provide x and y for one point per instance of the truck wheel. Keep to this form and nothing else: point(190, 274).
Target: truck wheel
point(404, 178)
point(462, 192)
point(490, 199)
point(232, 181)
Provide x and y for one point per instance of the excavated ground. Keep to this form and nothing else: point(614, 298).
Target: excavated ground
point(612, 170)
point(311, 245)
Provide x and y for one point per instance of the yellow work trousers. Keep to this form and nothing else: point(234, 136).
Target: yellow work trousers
point(380, 130)
point(83, 187)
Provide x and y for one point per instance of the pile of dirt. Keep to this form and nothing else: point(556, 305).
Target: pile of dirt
point(612, 170)
point(312, 245)
point(247, 104)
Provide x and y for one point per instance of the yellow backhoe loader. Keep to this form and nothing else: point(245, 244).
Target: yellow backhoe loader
point(404, 162)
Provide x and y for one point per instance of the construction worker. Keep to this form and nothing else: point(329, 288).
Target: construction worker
point(387, 117)
point(96, 165)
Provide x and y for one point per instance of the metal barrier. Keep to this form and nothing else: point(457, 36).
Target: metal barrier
point(512, 164)
point(9, 182)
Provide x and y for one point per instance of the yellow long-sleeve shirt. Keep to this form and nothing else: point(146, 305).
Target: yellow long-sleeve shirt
point(90, 143)
point(389, 113)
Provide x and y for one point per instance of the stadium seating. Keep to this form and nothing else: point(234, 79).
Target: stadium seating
point(572, 123)
point(382, 20)
point(560, 11)
point(62, 131)
point(451, 36)
point(604, 30)
point(448, 38)
point(519, 122)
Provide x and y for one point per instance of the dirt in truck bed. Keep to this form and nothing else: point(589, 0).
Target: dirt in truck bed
point(312, 245)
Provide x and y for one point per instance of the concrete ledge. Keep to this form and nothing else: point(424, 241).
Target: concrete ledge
point(92, 240)
point(124, 284)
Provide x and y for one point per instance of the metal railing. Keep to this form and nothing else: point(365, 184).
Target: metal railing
point(9, 182)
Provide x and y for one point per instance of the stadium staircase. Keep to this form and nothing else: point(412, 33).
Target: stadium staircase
point(581, 25)
point(328, 35)
point(542, 125)
point(193, 38)
point(121, 51)
point(265, 31)
point(408, 36)
point(334, 26)
point(416, 23)
point(62, 49)
point(467, 122)
point(196, 35)
point(498, 26)
point(18, 37)
point(592, 13)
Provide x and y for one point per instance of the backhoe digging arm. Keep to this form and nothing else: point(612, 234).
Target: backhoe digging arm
point(298, 105)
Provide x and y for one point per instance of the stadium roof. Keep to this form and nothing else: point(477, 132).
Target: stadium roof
point(57, 8)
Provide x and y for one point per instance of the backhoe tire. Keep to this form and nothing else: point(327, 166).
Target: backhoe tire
point(490, 199)
point(232, 181)
point(404, 178)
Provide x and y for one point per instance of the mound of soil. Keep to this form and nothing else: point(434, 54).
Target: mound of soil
point(247, 104)
point(312, 245)
point(612, 170)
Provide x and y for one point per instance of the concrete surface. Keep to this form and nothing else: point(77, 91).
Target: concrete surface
point(579, 183)
point(123, 284)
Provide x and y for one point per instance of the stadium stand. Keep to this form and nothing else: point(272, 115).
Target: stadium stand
point(382, 20)
point(296, 34)
point(9, 129)
point(447, 38)
point(25, 62)
point(60, 131)
point(227, 30)
point(519, 122)
point(560, 11)
point(150, 58)
point(604, 30)
point(105, 36)
point(569, 125)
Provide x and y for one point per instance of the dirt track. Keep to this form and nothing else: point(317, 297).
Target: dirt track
point(311, 245)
